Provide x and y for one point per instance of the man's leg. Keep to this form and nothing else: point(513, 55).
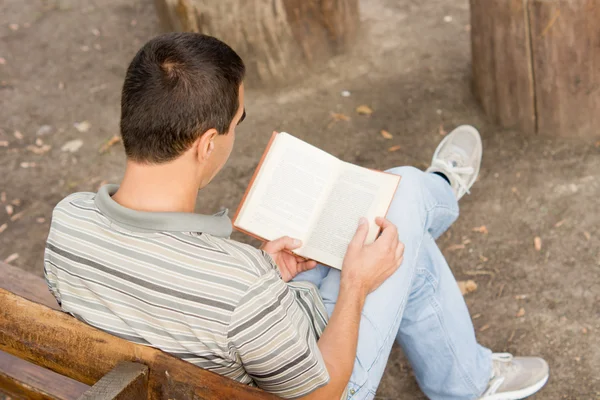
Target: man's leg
point(424, 205)
point(437, 335)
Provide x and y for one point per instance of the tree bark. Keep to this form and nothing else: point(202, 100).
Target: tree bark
point(279, 40)
point(536, 64)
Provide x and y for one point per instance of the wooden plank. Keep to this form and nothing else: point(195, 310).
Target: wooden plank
point(127, 381)
point(21, 379)
point(61, 343)
point(565, 36)
point(502, 72)
point(26, 285)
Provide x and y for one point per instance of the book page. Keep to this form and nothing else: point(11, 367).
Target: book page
point(290, 188)
point(357, 192)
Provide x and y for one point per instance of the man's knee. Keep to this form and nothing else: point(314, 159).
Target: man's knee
point(411, 184)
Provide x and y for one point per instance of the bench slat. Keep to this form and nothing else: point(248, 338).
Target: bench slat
point(21, 379)
point(59, 342)
point(26, 285)
point(127, 381)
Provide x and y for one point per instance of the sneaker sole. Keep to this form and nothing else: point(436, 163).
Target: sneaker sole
point(519, 394)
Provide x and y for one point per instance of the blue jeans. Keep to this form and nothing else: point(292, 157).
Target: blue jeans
point(420, 305)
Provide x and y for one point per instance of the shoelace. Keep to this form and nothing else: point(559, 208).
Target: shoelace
point(455, 172)
point(498, 379)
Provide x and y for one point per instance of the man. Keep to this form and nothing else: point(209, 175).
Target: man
point(135, 261)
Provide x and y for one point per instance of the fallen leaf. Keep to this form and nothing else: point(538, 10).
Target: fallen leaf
point(82, 126)
point(44, 130)
point(16, 202)
point(72, 146)
point(17, 216)
point(467, 287)
point(520, 313)
point(537, 243)
point(364, 110)
point(40, 220)
point(335, 117)
point(111, 142)
point(584, 331)
point(442, 131)
point(559, 223)
point(481, 229)
point(340, 117)
point(39, 142)
point(484, 328)
point(386, 134)
point(394, 148)
point(2, 60)
point(11, 258)
point(95, 32)
point(521, 296)
point(587, 235)
point(345, 93)
point(9, 209)
point(18, 135)
point(39, 150)
point(598, 143)
point(483, 258)
point(514, 190)
point(98, 88)
point(3, 197)
point(448, 18)
point(3, 227)
point(13, 27)
point(476, 316)
point(455, 247)
point(466, 242)
point(3, 143)
point(27, 164)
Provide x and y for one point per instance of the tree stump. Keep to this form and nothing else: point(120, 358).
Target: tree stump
point(279, 40)
point(536, 64)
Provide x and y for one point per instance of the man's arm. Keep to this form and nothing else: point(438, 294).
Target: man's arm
point(364, 269)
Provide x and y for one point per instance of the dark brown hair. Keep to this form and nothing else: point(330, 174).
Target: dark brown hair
point(178, 86)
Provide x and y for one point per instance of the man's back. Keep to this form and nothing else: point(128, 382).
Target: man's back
point(154, 279)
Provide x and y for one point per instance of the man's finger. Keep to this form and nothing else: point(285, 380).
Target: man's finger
point(306, 265)
point(361, 233)
point(389, 233)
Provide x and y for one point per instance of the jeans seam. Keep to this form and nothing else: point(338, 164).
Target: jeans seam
point(464, 373)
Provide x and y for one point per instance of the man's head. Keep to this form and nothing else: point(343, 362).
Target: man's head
point(183, 96)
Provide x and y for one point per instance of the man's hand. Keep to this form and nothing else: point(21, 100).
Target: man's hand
point(368, 266)
point(289, 264)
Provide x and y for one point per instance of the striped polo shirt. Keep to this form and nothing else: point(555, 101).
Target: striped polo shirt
point(175, 281)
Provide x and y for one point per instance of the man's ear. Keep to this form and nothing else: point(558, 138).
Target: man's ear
point(205, 145)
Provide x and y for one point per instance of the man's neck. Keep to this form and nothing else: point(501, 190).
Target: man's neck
point(157, 188)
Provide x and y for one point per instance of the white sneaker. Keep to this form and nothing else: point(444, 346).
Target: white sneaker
point(516, 378)
point(458, 157)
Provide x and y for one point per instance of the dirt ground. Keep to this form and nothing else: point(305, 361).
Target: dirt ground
point(64, 61)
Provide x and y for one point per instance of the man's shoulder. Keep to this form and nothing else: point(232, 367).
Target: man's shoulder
point(76, 199)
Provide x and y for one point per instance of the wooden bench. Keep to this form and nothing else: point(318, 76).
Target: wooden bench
point(48, 354)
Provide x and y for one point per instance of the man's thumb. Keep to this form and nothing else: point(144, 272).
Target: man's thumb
point(283, 243)
point(361, 233)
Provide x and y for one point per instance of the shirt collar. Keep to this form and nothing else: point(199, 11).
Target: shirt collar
point(145, 221)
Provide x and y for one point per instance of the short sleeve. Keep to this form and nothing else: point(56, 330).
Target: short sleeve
point(275, 340)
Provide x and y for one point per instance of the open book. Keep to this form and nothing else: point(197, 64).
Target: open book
point(303, 192)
